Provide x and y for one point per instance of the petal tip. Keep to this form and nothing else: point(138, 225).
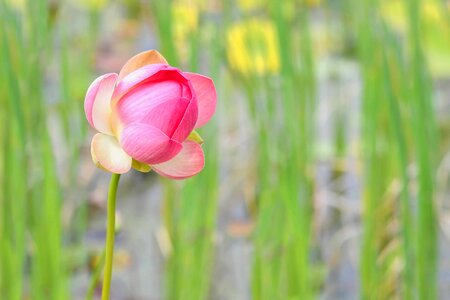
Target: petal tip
point(189, 162)
point(205, 91)
point(141, 59)
point(97, 102)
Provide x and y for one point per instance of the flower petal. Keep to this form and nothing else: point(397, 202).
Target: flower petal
point(136, 78)
point(139, 102)
point(168, 116)
point(97, 104)
point(189, 162)
point(142, 59)
point(187, 122)
point(148, 144)
point(206, 97)
point(107, 154)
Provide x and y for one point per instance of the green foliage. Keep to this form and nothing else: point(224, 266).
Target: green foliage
point(398, 135)
point(32, 252)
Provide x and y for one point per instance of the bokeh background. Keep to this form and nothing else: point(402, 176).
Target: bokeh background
point(327, 163)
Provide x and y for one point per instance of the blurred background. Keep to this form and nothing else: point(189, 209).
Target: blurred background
point(327, 163)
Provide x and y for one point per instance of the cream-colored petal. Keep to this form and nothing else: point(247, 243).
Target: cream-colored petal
point(142, 59)
point(108, 155)
point(101, 110)
point(97, 104)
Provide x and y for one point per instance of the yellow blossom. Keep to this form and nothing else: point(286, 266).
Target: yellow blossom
point(185, 15)
point(433, 16)
point(253, 47)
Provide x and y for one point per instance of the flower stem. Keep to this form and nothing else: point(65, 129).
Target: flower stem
point(110, 232)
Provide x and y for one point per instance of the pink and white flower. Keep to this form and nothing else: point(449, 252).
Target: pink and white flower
point(146, 116)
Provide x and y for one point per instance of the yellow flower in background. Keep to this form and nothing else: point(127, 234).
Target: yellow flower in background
point(185, 15)
point(394, 12)
point(433, 11)
point(435, 28)
point(253, 47)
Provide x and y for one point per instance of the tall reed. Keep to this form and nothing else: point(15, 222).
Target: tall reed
point(396, 85)
point(34, 261)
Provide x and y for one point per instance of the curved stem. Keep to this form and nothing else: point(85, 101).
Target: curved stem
point(110, 231)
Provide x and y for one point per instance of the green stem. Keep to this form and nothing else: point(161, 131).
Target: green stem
point(95, 277)
point(110, 231)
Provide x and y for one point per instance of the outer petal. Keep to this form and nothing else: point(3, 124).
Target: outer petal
point(148, 144)
point(206, 97)
point(189, 162)
point(142, 59)
point(135, 78)
point(187, 122)
point(97, 104)
point(107, 154)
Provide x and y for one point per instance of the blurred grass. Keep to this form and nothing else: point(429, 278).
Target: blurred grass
point(264, 54)
point(32, 253)
point(383, 147)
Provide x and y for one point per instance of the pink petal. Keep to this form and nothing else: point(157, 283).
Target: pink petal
point(189, 162)
point(142, 59)
point(136, 78)
point(148, 144)
point(168, 115)
point(187, 123)
point(97, 104)
point(206, 97)
point(150, 73)
point(107, 154)
point(137, 104)
point(166, 102)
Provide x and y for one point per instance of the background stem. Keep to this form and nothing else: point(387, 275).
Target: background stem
point(95, 277)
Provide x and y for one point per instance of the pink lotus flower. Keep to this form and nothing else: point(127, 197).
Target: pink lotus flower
point(146, 116)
